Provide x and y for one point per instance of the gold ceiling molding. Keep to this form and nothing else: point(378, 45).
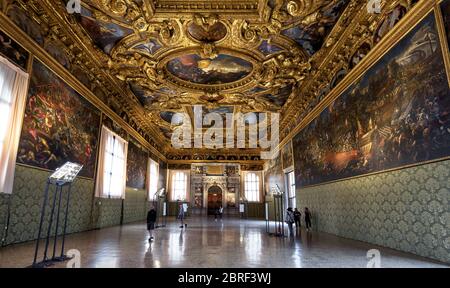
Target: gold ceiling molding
point(408, 22)
point(245, 9)
point(151, 65)
point(38, 52)
point(360, 29)
point(91, 61)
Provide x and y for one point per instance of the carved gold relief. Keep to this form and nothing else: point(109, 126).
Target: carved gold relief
point(251, 30)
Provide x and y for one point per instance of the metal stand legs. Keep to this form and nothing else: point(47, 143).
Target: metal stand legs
point(58, 194)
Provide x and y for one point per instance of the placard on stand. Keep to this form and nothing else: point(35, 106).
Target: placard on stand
point(63, 176)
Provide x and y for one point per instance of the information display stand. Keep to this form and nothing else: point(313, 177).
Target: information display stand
point(266, 216)
point(62, 177)
point(278, 197)
point(161, 208)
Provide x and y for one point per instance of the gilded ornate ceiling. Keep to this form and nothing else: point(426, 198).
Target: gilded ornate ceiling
point(150, 59)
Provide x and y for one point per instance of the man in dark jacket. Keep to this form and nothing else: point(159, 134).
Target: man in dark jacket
point(151, 219)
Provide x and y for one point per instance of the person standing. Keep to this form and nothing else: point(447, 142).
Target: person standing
point(151, 219)
point(290, 221)
point(216, 214)
point(220, 211)
point(307, 218)
point(297, 217)
point(181, 216)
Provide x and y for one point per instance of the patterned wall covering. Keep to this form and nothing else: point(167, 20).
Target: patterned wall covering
point(107, 212)
point(3, 213)
point(26, 202)
point(135, 206)
point(405, 209)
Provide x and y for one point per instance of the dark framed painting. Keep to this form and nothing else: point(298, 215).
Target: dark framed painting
point(13, 51)
point(397, 114)
point(137, 160)
point(59, 125)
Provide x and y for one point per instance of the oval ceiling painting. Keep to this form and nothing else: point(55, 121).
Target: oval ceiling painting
point(221, 70)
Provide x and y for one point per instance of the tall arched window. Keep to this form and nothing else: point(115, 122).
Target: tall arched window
point(251, 186)
point(179, 186)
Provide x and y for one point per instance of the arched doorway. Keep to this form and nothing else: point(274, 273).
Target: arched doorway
point(214, 199)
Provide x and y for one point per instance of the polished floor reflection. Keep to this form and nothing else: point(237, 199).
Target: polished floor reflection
point(210, 243)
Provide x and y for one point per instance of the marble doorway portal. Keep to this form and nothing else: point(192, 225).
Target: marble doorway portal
point(215, 194)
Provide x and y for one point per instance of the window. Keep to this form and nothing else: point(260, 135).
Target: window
point(251, 184)
point(153, 179)
point(13, 89)
point(179, 186)
point(291, 189)
point(112, 165)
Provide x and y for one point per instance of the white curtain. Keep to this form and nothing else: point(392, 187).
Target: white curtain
point(112, 165)
point(13, 90)
point(152, 179)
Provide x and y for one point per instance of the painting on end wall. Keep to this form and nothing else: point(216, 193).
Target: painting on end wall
point(136, 166)
point(59, 125)
point(397, 114)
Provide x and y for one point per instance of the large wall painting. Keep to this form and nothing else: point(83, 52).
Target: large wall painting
point(397, 114)
point(59, 125)
point(136, 166)
point(13, 51)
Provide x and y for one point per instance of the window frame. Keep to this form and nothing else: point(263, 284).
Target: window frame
point(15, 108)
point(152, 186)
point(109, 169)
point(174, 195)
point(291, 195)
point(252, 187)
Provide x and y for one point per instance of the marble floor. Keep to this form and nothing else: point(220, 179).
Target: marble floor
point(208, 243)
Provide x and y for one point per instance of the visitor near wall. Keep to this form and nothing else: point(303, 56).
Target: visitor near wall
point(151, 219)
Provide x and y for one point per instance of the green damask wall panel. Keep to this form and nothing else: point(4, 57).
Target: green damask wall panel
point(135, 206)
point(406, 209)
point(3, 214)
point(107, 212)
point(26, 202)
